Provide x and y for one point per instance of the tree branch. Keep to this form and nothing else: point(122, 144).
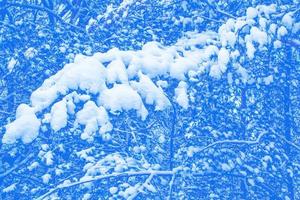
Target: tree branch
point(101, 177)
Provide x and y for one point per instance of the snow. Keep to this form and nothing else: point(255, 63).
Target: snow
point(288, 20)
point(25, 127)
point(122, 97)
point(282, 31)
point(277, 44)
point(46, 178)
point(250, 50)
point(223, 59)
point(263, 23)
point(228, 38)
point(10, 188)
point(268, 80)
point(251, 182)
point(92, 116)
point(116, 72)
point(152, 94)
point(191, 150)
point(267, 10)
point(181, 95)
point(251, 13)
point(243, 72)
point(132, 80)
point(11, 64)
point(30, 53)
point(48, 158)
point(225, 167)
point(113, 190)
point(86, 73)
point(59, 115)
point(258, 36)
point(273, 28)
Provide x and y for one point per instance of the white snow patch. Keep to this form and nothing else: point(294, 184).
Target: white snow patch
point(48, 158)
point(25, 127)
point(122, 97)
point(11, 64)
point(93, 117)
point(258, 36)
point(281, 32)
point(86, 73)
point(59, 115)
point(268, 80)
point(10, 188)
point(250, 50)
point(113, 190)
point(251, 13)
point(288, 20)
point(150, 92)
point(116, 72)
point(30, 53)
point(181, 95)
point(277, 44)
point(46, 178)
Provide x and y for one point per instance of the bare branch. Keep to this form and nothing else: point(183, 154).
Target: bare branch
point(16, 166)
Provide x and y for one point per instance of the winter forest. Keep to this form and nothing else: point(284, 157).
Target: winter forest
point(150, 99)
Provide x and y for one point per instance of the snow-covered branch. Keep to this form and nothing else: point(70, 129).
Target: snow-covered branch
point(101, 177)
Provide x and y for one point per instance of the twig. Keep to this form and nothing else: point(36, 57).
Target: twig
point(171, 186)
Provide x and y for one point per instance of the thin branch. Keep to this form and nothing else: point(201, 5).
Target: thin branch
point(47, 10)
point(171, 187)
point(16, 166)
point(246, 142)
point(101, 177)
point(287, 141)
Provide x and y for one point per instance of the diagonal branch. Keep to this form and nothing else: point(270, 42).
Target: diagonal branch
point(16, 166)
point(101, 177)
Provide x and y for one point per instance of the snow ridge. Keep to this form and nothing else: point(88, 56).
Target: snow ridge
point(123, 80)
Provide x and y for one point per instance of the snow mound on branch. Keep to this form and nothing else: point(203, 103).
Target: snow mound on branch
point(122, 97)
point(25, 127)
point(59, 115)
point(93, 117)
point(118, 81)
point(86, 73)
point(150, 92)
point(181, 95)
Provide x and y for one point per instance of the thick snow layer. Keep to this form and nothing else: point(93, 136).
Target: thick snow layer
point(150, 92)
point(258, 36)
point(122, 97)
point(116, 72)
point(59, 115)
point(135, 80)
point(93, 117)
point(25, 127)
point(86, 73)
point(181, 95)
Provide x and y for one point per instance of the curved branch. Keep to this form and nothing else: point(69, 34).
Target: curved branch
point(246, 142)
point(101, 177)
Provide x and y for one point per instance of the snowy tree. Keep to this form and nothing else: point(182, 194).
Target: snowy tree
point(209, 112)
